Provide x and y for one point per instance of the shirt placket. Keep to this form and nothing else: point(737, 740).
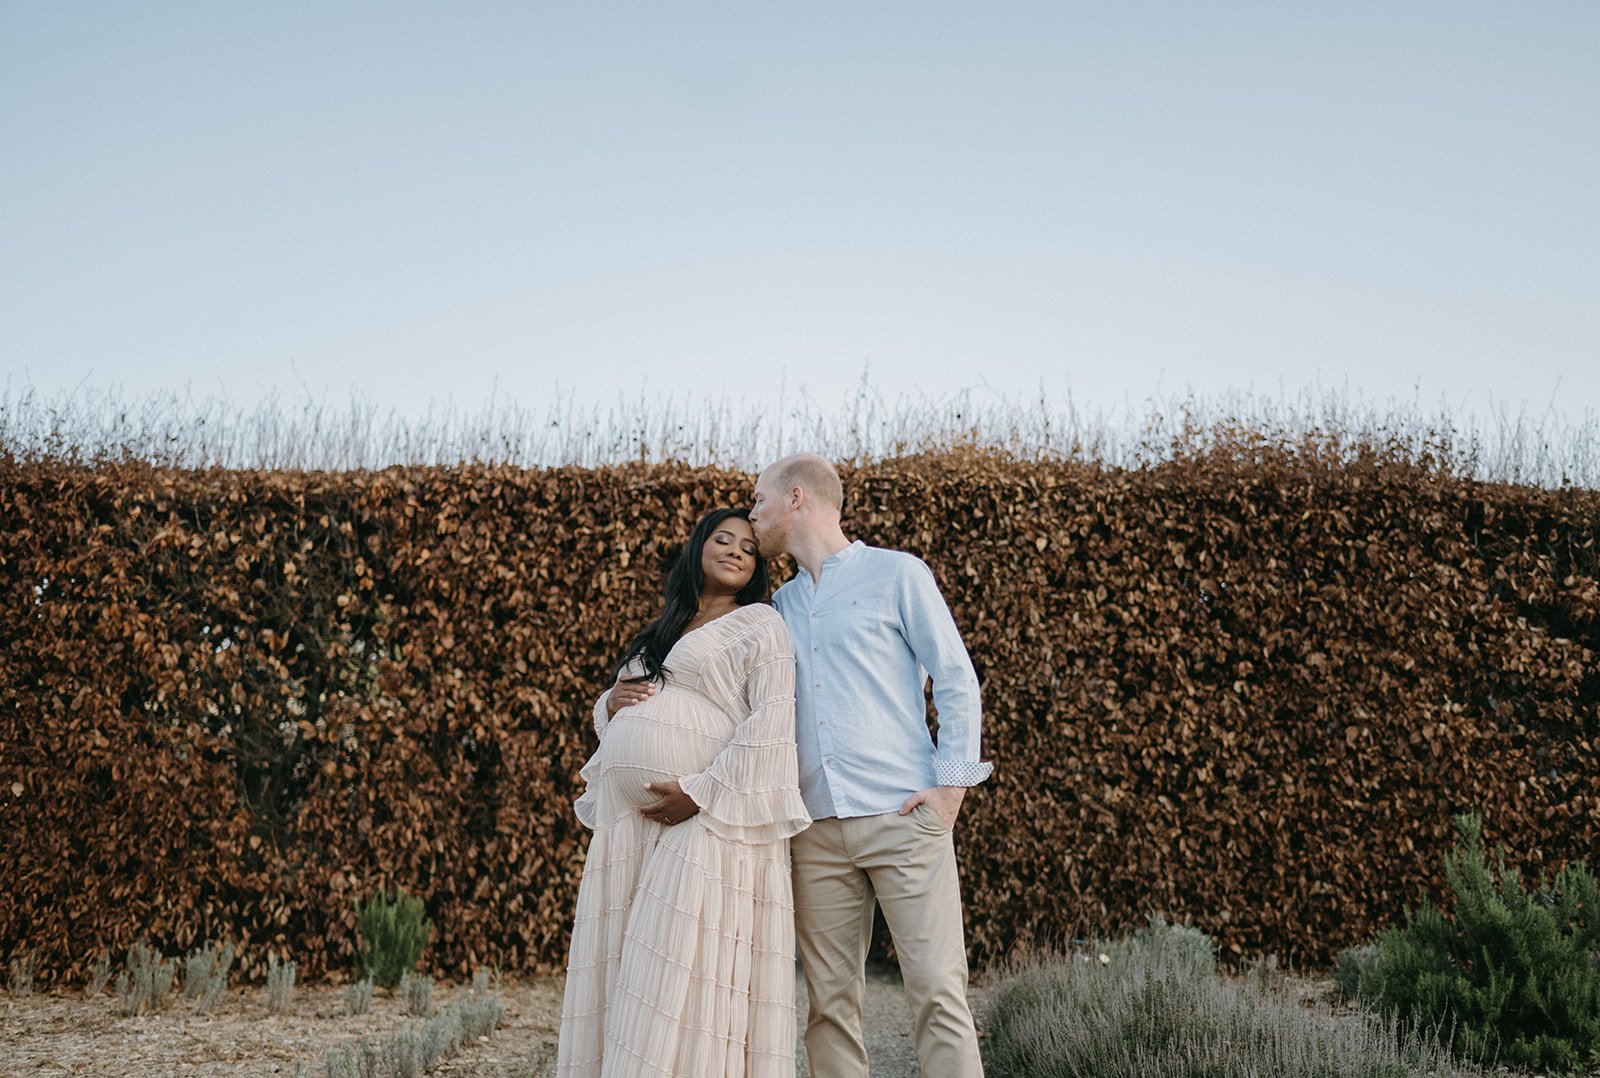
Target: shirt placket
point(820, 678)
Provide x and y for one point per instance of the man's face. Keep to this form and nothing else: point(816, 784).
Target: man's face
point(769, 514)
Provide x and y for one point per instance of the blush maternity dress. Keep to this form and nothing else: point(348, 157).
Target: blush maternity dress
point(682, 960)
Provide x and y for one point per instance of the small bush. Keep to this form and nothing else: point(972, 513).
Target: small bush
point(354, 1061)
point(417, 1050)
point(402, 1055)
point(481, 1010)
point(358, 997)
point(1512, 972)
point(1155, 1005)
point(280, 985)
point(440, 1035)
point(416, 993)
point(20, 981)
point(1349, 967)
point(99, 976)
point(205, 975)
point(145, 983)
point(394, 934)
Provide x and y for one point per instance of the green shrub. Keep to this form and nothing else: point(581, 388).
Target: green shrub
point(1154, 1004)
point(1511, 972)
point(393, 935)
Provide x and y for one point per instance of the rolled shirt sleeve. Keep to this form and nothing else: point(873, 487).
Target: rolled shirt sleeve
point(931, 632)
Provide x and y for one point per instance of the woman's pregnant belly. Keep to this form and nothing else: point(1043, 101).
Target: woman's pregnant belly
point(657, 741)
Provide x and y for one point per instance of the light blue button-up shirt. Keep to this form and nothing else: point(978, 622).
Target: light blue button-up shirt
point(866, 635)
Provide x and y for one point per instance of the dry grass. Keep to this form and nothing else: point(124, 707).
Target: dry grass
point(181, 430)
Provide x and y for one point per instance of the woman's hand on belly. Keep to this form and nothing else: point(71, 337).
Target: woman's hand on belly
point(674, 805)
point(629, 693)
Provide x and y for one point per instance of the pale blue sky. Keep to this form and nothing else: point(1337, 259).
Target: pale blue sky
point(431, 200)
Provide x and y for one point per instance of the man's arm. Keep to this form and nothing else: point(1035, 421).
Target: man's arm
point(931, 632)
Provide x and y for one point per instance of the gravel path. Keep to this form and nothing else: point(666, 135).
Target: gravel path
point(886, 1025)
point(46, 1036)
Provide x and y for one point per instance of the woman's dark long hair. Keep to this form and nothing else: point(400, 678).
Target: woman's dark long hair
point(684, 583)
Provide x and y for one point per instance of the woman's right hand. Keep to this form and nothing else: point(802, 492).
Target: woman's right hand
point(628, 693)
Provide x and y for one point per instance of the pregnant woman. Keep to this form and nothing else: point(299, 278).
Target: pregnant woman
point(682, 960)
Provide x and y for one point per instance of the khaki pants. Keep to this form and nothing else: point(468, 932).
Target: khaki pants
point(909, 864)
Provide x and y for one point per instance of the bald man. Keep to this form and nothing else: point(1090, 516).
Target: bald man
point(883, 797)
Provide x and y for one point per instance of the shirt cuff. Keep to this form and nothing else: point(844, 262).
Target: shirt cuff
point(961, 772)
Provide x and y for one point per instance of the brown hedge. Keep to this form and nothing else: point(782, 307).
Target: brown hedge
point(1246, 689)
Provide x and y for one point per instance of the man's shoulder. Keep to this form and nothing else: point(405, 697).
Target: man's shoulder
point(786, 592)
point(884, 562)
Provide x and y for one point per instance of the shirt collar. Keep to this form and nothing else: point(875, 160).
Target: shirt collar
point(834, 560)
point(844, 555)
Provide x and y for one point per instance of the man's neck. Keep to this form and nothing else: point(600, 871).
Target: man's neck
point(810, 551)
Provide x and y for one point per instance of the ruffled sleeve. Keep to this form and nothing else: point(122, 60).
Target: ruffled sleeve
point(751, 792)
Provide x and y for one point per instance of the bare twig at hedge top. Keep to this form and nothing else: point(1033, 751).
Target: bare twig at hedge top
point(181, 430)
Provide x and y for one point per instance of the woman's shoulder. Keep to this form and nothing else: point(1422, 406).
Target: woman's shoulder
point(761, 622)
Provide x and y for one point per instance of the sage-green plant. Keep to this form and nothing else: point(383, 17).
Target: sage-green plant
point(394, 933)
point(280, 985)
point(1154, 1004)
point(358, 997)
point(146, 981)
point(1511, 973)
point(1350, 965)
point(205, 974)
point(416, 993)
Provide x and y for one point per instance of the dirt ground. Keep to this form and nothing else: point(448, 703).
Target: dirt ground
point(45, 1036)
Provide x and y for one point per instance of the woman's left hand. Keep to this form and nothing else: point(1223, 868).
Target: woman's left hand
point(675, 806)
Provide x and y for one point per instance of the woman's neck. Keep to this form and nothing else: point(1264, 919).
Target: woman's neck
point(713, 604)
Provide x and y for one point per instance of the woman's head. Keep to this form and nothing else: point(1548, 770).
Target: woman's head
point(719, 560)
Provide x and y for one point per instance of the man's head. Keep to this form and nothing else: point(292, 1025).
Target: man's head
point(796, 496)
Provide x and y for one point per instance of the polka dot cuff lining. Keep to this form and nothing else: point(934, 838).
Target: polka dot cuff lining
point(961, 772)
